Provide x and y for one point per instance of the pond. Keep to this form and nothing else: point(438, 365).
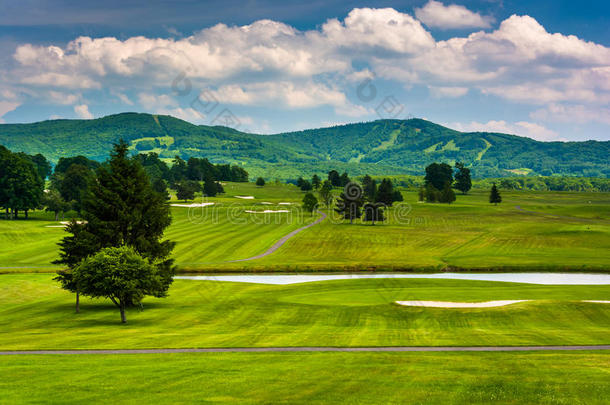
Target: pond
point(528, 278)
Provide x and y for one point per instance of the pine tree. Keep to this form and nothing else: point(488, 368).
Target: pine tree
point(494, 195)
point(350, 202)
point(316, 181)
point(260, 182)
point(369, 187)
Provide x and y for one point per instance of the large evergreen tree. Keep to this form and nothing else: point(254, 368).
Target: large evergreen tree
point(122, 208)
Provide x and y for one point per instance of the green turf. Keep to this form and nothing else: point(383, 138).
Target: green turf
point(346, 378)
point(36, 314)
point(557, 231)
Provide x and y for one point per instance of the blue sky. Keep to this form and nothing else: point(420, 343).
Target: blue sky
point(532, 68)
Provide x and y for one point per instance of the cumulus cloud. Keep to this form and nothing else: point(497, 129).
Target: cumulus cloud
point(436, 15)
point(82, 111)
point(521, 128)
point(269, 63)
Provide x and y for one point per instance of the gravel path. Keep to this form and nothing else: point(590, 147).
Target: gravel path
point(320, 349)
point(280, 242)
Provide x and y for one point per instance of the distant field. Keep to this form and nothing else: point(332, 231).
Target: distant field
point(36, 314)
point(338, 378)
point(552, 231)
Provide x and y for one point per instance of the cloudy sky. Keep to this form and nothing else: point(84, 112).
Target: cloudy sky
point(531, 68)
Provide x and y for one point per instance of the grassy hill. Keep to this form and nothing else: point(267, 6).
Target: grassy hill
point(378, 147)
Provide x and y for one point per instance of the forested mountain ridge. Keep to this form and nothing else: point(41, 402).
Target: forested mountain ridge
point(377, 147)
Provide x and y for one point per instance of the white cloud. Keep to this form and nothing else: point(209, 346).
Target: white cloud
point(269, 63)
point(449, 92)
point(58, 97)
point(154, 102)
point(521, 128)
point(7, 106)
point(435, 14)
point(575, 114)
point(82, 111)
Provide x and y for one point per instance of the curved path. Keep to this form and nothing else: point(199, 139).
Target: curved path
point(320, 349)
point(280, 242)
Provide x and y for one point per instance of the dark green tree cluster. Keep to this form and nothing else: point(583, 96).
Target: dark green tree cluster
point(121, 208)
point(384, 193)
point(260, 182)
point(438, 182)
point(304, 185)
point(338, 180)
point(21, 182)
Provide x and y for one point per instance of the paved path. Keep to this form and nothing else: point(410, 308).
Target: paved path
point(280, 242)
point(320, 349)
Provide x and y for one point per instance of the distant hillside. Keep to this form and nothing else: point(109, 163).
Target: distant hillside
point(378, 147)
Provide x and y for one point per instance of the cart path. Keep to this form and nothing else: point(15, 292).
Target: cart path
point(318, 349)
point(280, 242)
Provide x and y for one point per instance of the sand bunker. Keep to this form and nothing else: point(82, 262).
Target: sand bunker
point(64, 224)
point(193, 205)
point(266, 211)
point(597, 301)
point(266, 203)
point(284, 203)
point(446, 304)
point(245, 197)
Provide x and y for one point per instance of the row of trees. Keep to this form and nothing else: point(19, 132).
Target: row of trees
point(21, 182)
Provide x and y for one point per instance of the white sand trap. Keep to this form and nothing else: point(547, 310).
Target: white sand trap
point(266, 203)
point(245, 197)
point(446, 304)
point(193, 205)
point(64, 224)
point(597, 301)
point(266, 211)
point(284, 203)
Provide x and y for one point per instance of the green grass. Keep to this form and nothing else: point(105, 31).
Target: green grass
point(346, 378)
point(36, 314)
point(568, 231)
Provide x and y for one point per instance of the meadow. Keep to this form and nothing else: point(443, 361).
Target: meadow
point(529, 230)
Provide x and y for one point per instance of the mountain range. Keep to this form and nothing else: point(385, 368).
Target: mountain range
point(377, 147)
